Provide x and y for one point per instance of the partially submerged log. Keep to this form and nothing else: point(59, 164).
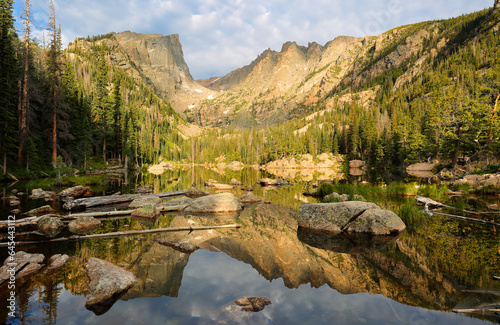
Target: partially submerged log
point(122, 233)
point(115, 199)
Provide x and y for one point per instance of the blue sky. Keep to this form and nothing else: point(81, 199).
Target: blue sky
point(219, 36)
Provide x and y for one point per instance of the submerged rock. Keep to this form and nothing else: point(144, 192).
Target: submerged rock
point(140, 202)
point(253, 304)
point(58, 260)
point(377, 222)
point(50, 225)
point(107, 283)
point(147, 211)
point(195, 193)
point(46, 209)
point(331, 216)
point(84, 225)
point(20, 265)
point(353, 216)
point(187, 248)
point(249, 198)
point(217, 203)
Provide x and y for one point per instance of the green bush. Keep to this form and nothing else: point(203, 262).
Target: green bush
point(325, 189)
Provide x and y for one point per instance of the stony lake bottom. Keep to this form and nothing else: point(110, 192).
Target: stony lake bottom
point(419, 277)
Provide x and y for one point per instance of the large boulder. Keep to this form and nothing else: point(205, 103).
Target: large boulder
point(377, 222)
point(147, 211)
point(217, 203)
point(84, 225)
point(107, 283)
point(50, 226)
point(353, 216)
point(331, 217)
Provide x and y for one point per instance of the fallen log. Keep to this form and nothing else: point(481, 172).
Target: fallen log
point(496, 278)
point(96, 201)
point(33, 220)
point(121, 233)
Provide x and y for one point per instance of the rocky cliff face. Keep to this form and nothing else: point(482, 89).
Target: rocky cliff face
point(281, 85)
point(160, 59)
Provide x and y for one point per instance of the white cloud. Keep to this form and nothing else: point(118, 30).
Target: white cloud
point(221, 35)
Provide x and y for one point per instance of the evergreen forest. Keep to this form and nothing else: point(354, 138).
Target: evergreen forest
point(67, 107)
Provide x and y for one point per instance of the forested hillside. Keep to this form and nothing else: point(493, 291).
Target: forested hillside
point(78, 100)
point(441, 101)
point(416, 92)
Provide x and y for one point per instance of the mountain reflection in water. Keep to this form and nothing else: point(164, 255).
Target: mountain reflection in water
point(405, 280)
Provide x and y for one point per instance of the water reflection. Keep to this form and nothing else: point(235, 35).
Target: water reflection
point(413, 279)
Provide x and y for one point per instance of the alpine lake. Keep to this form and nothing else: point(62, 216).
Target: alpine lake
point(435, 266)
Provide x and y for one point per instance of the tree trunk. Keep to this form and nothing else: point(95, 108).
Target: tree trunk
point(54, 122)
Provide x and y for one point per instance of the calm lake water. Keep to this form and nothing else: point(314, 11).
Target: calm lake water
point(436, 265)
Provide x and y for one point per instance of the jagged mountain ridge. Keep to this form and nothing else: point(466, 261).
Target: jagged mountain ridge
point(279, 86)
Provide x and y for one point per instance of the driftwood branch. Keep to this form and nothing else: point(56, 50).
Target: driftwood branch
point(122, 233)
point(33, 220)
point(464, 218)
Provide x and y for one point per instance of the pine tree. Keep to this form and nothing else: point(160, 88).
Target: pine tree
point(24, 98)
point(8, 76)
point(54, 71)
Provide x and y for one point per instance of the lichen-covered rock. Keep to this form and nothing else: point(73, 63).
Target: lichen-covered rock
point(217, 203)
point(377, 222)
point(140, 202)
point(147, 211)
point(353, 216)
point(20, 265)
point(84, 225)
point(249, 198)
point(107, 282)
point(50, 226)
point(331, 217)
point(336, 197)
